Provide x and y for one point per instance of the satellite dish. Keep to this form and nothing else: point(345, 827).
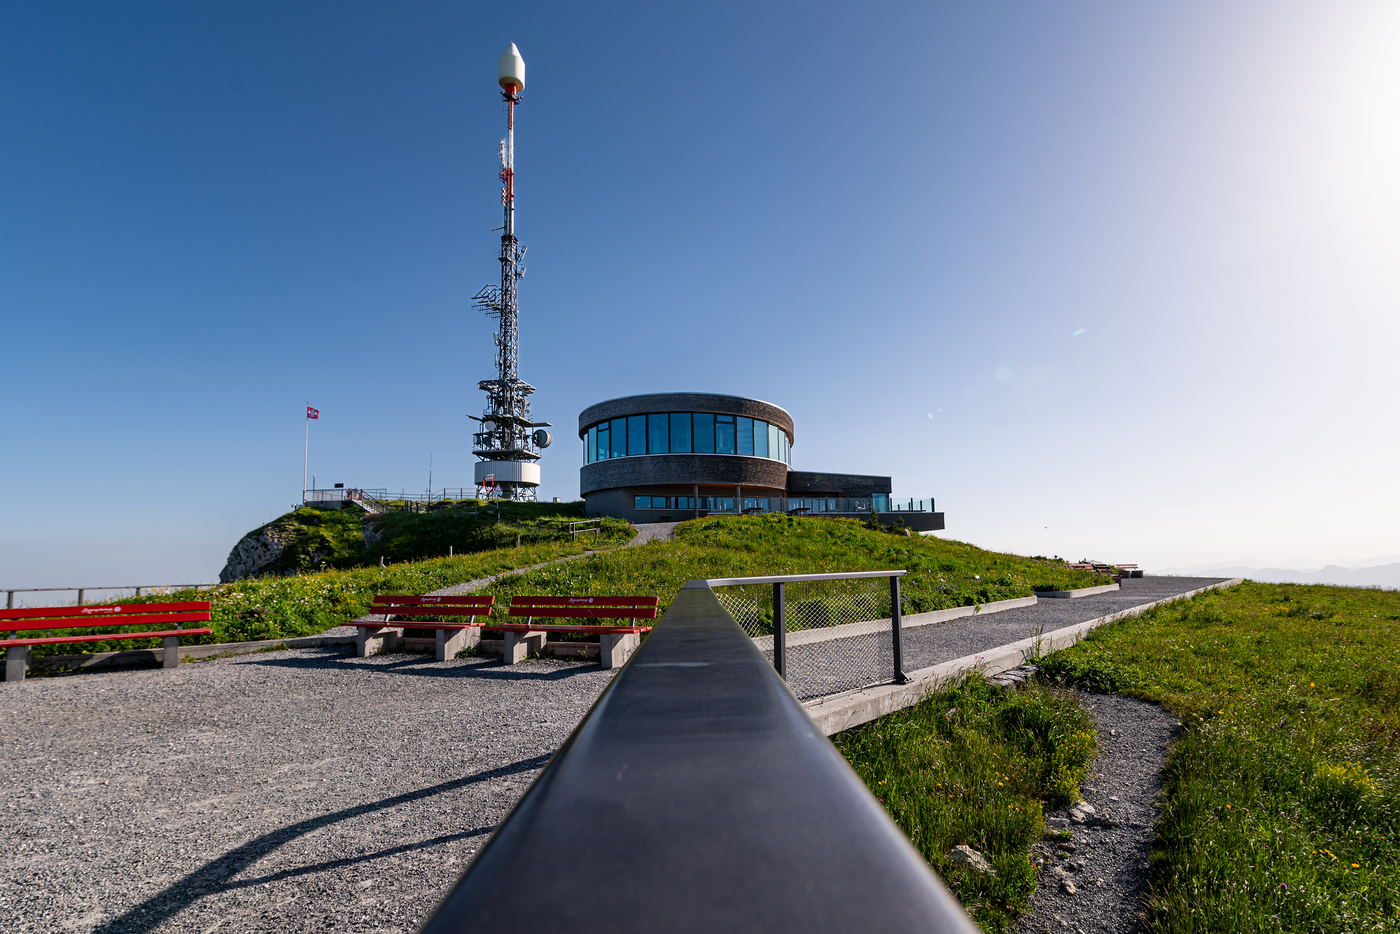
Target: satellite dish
point(543, 439)
point(488, 425)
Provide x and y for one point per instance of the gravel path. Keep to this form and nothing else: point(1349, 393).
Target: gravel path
point(1098, 887)
point(308, 790)
point(823, 668)
point(289, 791)
point(653, 531)
point(930, 645)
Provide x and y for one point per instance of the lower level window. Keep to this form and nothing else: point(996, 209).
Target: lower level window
point(651, 502)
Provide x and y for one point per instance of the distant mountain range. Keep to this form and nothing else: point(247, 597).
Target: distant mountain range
point(1385, 575)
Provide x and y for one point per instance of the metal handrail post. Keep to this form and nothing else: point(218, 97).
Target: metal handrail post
point(780, 629)
point(896, 633)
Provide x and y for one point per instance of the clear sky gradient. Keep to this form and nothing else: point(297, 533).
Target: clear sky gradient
point(1107, 280)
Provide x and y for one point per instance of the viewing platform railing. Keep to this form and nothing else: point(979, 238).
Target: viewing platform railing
point(824, 633)
point(82, 591)
point(697, 796)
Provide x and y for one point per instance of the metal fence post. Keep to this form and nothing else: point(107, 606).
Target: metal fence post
point(779, 630)
point(896, 634)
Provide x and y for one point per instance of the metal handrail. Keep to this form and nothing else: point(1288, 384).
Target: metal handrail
point(780, 582)
point(11, 591)
point(790, 578)
point(697, 796)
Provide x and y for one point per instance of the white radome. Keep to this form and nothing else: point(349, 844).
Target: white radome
point(512, 69)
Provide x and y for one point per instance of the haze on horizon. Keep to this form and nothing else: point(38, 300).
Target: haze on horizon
point(1106, 280)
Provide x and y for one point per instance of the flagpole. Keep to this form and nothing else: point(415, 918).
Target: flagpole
point(306, 454)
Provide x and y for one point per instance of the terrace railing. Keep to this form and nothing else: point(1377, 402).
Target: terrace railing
point(697, 796)
point(824, 633)
point(83, 591)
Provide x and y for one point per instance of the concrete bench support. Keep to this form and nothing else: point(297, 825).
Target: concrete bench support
point(520, 645)
point(613, 651)
point(450, 642)
point(170, 658)
point(16, 660)
point(373, 641)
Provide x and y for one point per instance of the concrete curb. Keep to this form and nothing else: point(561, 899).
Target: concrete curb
point(1081, 592)
point(847, 630)
point(214, 650)
point(843, 711)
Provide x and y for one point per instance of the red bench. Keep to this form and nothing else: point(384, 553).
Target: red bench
point(56, 618)
point(615, 643)
point(381, 635)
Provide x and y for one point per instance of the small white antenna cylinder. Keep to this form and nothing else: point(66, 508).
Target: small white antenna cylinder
point(512, 70)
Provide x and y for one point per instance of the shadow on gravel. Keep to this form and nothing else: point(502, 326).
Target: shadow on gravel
point(218, 876)
point(427, 667)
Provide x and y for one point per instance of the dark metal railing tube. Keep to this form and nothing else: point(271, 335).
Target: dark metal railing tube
point(780, 629)
point(896, 632)
point(699, 785)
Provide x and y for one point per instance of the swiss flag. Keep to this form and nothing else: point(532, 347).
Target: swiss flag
point(312, 413)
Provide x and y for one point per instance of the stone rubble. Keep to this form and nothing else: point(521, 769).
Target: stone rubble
point(966, 856)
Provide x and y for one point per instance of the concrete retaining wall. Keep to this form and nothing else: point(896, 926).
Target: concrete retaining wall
point(157, 656)
point(1081, 592)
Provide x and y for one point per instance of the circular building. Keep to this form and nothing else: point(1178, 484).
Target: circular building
point(676, 455)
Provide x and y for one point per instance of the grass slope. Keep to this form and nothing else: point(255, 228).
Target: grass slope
point(973, 764)
point(942, 573)
point(318, 539)
point(284, 607)
point(1282, 808)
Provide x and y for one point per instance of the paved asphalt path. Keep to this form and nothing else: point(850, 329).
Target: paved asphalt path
point(307, 790)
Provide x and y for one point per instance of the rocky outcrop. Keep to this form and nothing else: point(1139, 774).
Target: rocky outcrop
point(371, 536)
point(257, 552)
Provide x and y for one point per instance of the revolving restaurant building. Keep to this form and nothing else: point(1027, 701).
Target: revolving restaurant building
point(677, 455)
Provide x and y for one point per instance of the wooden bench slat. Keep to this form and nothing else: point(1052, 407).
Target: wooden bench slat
point(395, 609)
point(411, 624)
point(125, 610)
point(543, 601)
point(469, 600)
point(550, 627)
point(102, 622)
point(101, 637)
point(586, 612)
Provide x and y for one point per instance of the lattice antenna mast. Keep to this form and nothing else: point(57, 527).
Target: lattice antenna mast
point(504, 442)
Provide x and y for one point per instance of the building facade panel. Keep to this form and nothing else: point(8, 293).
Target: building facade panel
point(686, 402)
point(804, 482)
point(682, 470)
point(673, 456)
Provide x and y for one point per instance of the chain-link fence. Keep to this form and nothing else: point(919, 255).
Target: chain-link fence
point(825, 633)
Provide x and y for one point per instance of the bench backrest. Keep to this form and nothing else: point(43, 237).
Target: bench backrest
point(587, 607)
point(465, 605)
point(117, 615)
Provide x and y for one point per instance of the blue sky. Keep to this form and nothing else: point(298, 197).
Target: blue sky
point(1111, 280)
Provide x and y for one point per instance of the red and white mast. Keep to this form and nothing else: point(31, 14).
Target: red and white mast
point(505, 442)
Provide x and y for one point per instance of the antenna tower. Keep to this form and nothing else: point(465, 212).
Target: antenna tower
point(504, 442)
